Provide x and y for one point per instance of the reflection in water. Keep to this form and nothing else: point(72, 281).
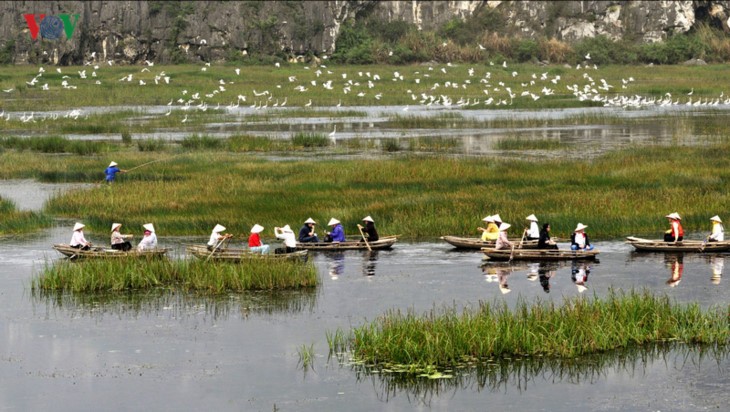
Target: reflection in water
point(498, 272)
point(579, 275)
point(499, 376)
point(545, 271)
point(717, 263)
point(368, 262)
point(336, 263)
point(675, 262)
point(176, 304)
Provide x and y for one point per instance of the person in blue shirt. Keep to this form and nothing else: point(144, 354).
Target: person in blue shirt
point(111, 172)
point(337, 234)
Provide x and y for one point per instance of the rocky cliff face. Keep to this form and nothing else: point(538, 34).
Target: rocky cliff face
point(171, 31)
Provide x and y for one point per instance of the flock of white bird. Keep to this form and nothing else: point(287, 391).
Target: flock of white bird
point(429, 87)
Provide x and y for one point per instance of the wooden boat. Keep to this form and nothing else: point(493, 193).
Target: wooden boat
point(477, 243)
point(539, 254)
point(107, 253)
point(385, 242)
point(240, 255)
point(691, 246)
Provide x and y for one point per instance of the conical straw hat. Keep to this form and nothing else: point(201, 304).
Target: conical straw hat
point(218, 228)
point(368, 219)
point(716, 218)
point(532, 218)
point(115, 226)
point(257, 228)
point(310, 220)
point(504, 226)
point(333, 221)
point(78, 226)
point(149, 227)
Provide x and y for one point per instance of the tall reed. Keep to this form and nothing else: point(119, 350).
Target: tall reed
point(114, 275)
point(580, 326)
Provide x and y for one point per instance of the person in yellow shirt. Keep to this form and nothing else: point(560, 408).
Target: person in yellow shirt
point(492, 230)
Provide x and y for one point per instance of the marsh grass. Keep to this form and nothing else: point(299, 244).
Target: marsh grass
point(626, 192)
point(306, 357)
point(310, 140)
point(55, 144)
point(579, 326)
point(117, 275)
point(516, 143)
point(15, 221)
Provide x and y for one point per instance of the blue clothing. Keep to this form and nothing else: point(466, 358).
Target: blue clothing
point(338, 233)
point(111, 173)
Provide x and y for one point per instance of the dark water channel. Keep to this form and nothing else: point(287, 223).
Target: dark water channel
point(169, 351)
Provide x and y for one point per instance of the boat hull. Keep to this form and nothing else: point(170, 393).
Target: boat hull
point(241, 255)
point(476, 243)
point(107, 253)
point(383, 243)
point(538, 254)
point(685, 246)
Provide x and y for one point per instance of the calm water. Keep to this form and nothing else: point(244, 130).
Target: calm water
point(166, 351)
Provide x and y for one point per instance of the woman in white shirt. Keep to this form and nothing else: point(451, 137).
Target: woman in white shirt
point(287, 234)
point(78, 240)
point(533, 233)
point(718, 232)
point(149, 241)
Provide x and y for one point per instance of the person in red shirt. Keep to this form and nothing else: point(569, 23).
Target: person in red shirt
point(254, 241)
point(675, 233)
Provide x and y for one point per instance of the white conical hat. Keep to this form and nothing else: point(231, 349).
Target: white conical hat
point(116, 225)
point(716, 218)
point(310, 220)
point(580, 226)
point(674, 215)
point(149, 227)
point(368, 219)
point(489, 219)
point(218, 228)
point(78, 226)
point(333, 221)
point(257, 228)
point(112, 164)
point(504, 226)
point(287, 229)
point(532, 218)
point(496, 218)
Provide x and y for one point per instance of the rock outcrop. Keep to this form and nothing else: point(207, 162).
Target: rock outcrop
point(171, 31)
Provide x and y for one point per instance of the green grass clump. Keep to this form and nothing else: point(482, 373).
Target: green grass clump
point(116, 275)
point(580, 326)
point(15, 221)
point(201, 142)
point(310, 140)
point(54, 144)
point(527, 144)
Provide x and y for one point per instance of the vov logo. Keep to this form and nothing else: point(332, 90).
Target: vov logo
point(51, 27)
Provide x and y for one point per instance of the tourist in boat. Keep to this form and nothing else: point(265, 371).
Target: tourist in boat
point(337, 234)
point(111, 172)
point(119, 241)
point(579, 239)
point(533, 233)
point(675, 233)
point(149, 241)
point(306, 233)
point(545, 242)
point(502, 241)
point(78, 241)
point(254, 241)
point(491, 232)
point(718, 232)
point(217, 237)
point(369, 231)
point(287, 235)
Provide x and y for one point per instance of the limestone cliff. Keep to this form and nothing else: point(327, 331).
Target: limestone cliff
point(170, 31)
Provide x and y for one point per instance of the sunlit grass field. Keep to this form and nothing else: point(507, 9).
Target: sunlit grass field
point(625, 192)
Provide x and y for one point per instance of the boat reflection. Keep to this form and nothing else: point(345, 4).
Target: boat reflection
point(546, 271)
point(675, 263)
point(717, 263)
point(336, 264)
point(579, 272)
point(368, 262)
point(521, 374)
point(175, 304)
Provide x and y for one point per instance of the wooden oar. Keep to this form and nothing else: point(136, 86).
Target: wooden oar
point(215, 248)
point(524, 232)
point(359, 227)
point(702, 248)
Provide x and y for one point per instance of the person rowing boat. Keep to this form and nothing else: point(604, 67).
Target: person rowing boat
point(217, 238)
point(718, 232)
point(533, 233)
point(118, 240)
point(370, 234)
point(78, 241)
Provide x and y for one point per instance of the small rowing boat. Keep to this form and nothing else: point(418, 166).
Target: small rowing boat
point(385, 242)
point(107, 253)
point(477, 243)
point(240, 255)
point(539, 254)
point(691, 246)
